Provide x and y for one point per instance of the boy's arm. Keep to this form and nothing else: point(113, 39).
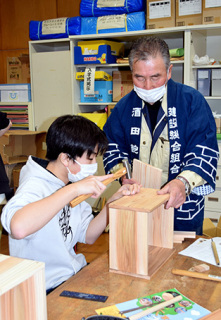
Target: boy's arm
point(99, 223)
point(36, 215)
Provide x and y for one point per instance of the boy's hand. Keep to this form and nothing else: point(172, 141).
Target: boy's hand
point(125, 190)
point(91, 185)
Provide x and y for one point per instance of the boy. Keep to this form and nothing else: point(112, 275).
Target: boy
point(41, 224)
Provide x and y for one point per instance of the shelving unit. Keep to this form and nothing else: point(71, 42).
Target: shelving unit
point(55, 90)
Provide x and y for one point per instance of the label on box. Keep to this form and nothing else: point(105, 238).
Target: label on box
point(203, 74)
point(159, 9)
point(111, 21)
point(53, 26)
point(89, 79)
point(216, 74)
point(110, 3)
point(190, 7)
point(212, 3)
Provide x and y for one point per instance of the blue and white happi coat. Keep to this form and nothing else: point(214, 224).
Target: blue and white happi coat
point(192, 140)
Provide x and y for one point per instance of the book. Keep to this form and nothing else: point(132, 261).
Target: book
point(184, 309)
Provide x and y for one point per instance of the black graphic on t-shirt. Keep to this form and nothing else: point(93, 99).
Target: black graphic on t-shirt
point(64, 222)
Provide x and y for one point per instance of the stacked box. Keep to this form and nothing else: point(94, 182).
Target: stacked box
point(188, 12)
point(122, 84)
point(160, 14)
point(204, 81)
point(216, 82)
point(211, 11)
point(18, 69)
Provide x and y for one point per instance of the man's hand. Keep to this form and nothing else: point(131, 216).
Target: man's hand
point(176, 189)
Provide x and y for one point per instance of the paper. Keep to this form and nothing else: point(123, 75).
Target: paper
point(202, 250)
point(182, 310)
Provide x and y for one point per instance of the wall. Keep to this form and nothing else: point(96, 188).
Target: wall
point(14, 24)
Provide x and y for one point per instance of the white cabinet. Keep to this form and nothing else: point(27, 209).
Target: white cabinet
point(51, 83)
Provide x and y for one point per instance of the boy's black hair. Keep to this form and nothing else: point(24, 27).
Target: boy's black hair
point(74, 135)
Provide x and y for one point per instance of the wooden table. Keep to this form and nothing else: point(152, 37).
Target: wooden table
point(96, 278)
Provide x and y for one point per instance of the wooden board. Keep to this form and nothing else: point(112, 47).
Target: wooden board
point(147, 175)
point(146, 200)
point(22, 289)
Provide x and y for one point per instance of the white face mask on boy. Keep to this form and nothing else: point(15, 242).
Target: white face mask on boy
point(152, 95)
point(86, 170)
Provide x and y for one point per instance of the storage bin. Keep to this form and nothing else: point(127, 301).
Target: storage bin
point(91, 47)
point(15, 92)
point(103, 56)
point(103, 92)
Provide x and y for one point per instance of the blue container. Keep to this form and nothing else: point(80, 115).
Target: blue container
point(103, 92)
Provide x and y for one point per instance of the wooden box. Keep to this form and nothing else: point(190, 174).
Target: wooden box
point(22, 289)
point(17, 145)
point(141, 233)
point(141, 230)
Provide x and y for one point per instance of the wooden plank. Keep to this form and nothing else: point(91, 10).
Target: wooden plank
point(22, 289)
point(129, 241)
point(146, 200)
point(160, 227)
point(147, 175)
point(83, 197)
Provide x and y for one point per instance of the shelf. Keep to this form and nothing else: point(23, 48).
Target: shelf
point(208, 66)
point(211, 98)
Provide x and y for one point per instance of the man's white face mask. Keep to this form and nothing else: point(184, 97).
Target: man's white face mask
point(86, 171)
point(152, 95)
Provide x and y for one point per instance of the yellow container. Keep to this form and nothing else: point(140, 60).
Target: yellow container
point(91, 47)
point(99, 75)
point(96, 117)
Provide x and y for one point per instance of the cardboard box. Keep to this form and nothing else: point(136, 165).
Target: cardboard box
point(103, 92)
point(211, 12)
point(209, 229)
point(17, 145)
point(188, 12)
point(122, 84)
point(204, 81)
point(15, 92)
point(216, 82)
point(109, 109)
point(160, 14)
point(18, 69)
point(97, 117)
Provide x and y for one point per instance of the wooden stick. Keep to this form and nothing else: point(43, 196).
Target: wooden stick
point(215, 252)
point(156, 308)
point(196, 275)
point(83, 197)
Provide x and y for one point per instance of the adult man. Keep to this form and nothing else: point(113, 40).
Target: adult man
point(168, 125)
